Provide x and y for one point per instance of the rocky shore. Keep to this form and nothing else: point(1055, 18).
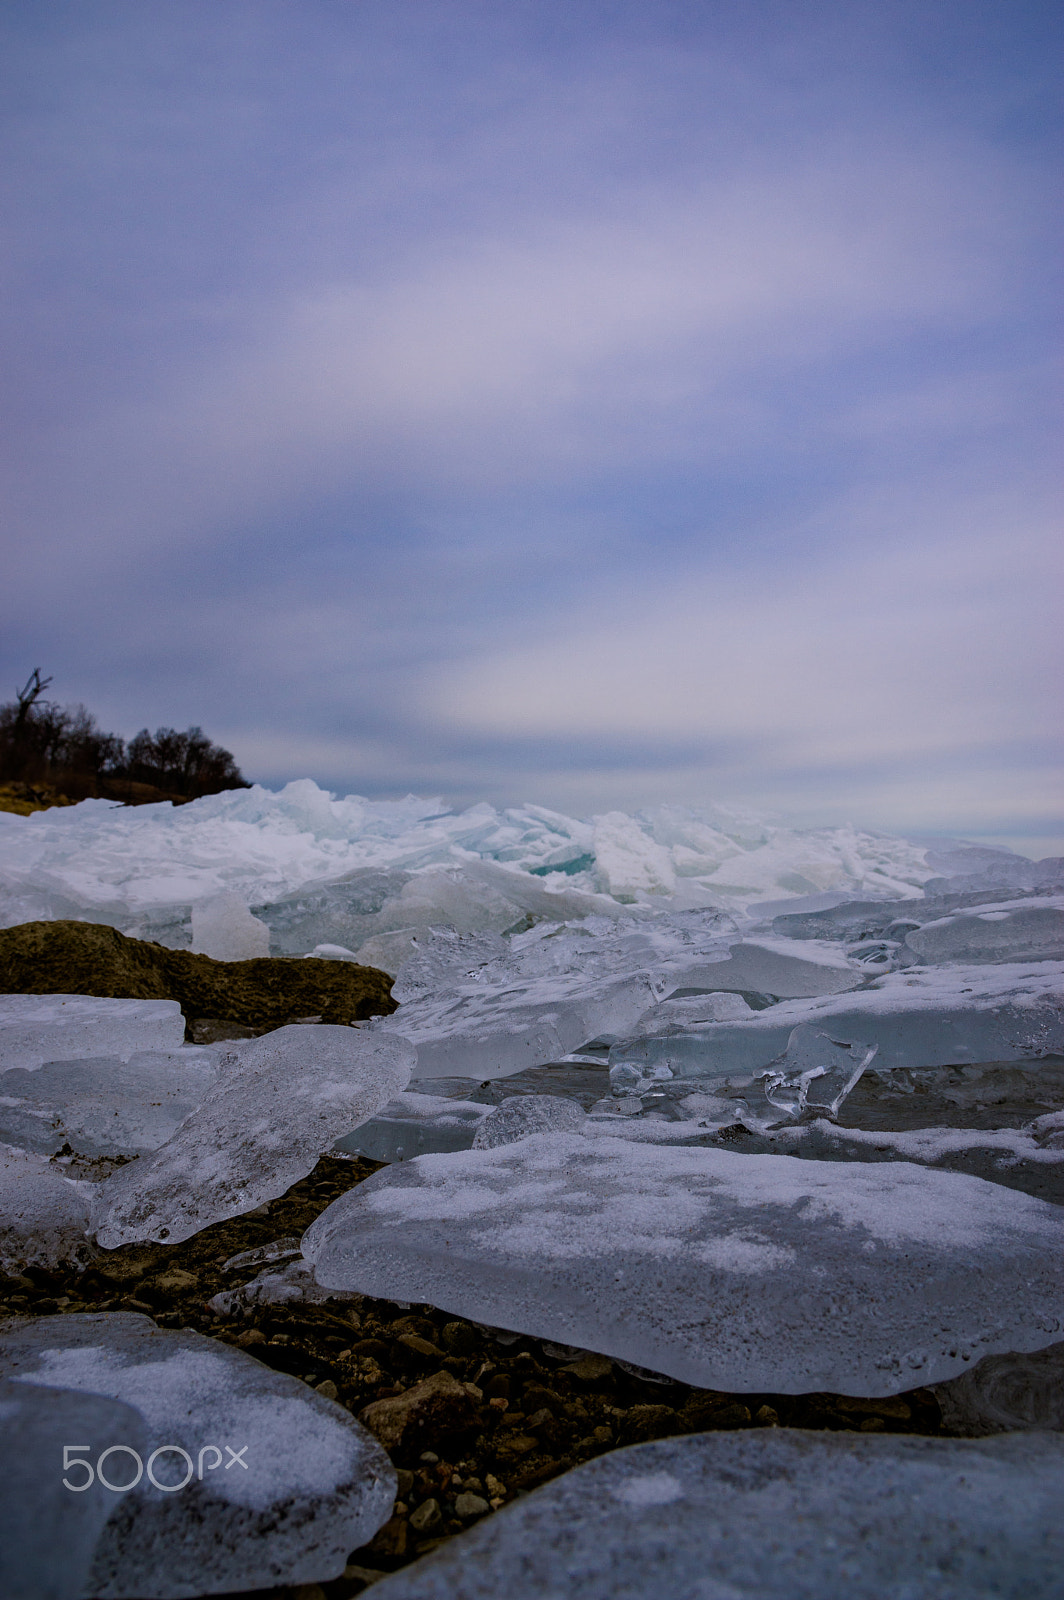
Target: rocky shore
point(472, 1417)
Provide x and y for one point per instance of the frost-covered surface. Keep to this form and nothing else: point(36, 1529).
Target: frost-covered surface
point(314, 1485)
point(35, 1028)
point(44, 1217)
point(919, 1017)
point(105, 1106)
point(729, 1271)
point(287, 1099)
point(773, 1515)
point(135, 866)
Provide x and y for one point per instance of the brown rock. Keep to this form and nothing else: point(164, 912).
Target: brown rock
point(266, 993)
point(435, 1410)
point(648, 1422)
point(590, 1369)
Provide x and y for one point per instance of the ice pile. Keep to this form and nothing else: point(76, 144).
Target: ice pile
point(317, 869)
point(289, 1097)
point(307, 1484)
point(773, 1515)
point(729, 1271)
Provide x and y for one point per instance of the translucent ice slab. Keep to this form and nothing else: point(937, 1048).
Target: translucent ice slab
point(729, 1271)
point(44, 1217)
point(309, 1486)
point(291, 1095)
point(105, 1107)
point(1017, 930)
point(35, 1028)
point(480, 1031)
point(919, 1018)
point(772, 1514)
point(415, 1125)
point(49, 1533)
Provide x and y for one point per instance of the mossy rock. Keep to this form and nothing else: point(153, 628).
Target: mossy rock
point(266, 993)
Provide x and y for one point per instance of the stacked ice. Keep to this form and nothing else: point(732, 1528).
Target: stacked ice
point(753, 1107)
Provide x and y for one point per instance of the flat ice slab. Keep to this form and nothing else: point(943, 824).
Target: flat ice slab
point(920, 1017)
point(104, 1107)
point(772, 1515)
point(728, 1271)
point(35, 1028)
point(312, 1484)
point(287, 1100)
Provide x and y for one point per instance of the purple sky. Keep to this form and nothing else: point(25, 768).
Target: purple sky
point(594, 404)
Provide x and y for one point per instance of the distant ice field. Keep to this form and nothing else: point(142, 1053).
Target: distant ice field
point(321, 870)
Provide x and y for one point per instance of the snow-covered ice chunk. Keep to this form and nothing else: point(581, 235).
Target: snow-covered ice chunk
point(44, 1217)
point(48, 1531)
point(105, 1107)
point(921, 1017)
point(415, 1125)
point(293, 1093)
point(772, 1514)
point(35, 1028)
point(1015, 930)
point(523, 1115)
point(1006, 1394)
point(223, 927)
point(311, 1484)
point(729, 1271)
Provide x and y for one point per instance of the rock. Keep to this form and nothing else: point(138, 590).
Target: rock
point(467, 1506)
point(309, 1485)
point(427, 1517)
point(1006, 1393)
point(259, 1130)
point(89, 958)
point(731, 1272)
point(438, 1408)
point(44, 1217)
point(770, 1515)
point(522, 1115)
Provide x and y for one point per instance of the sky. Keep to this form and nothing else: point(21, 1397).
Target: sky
point(583, 402)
